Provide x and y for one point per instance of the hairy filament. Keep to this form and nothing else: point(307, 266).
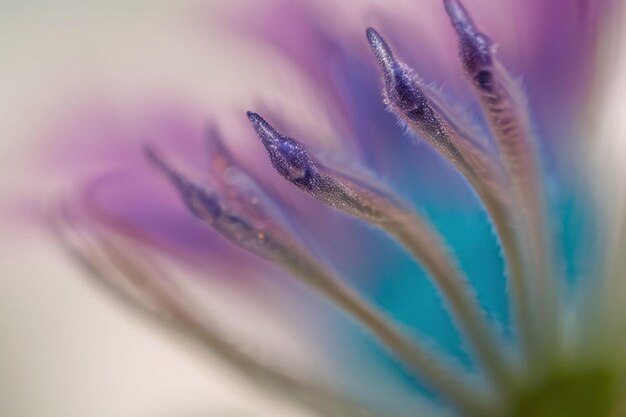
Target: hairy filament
point(365, 201)
point(163, 302)
point(277, 246)
point(506, 111)
point(409, 101)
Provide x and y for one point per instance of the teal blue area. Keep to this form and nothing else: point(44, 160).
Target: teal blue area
point(395, 283)
point(402, 289)
point(575, 234)
point(388, 276)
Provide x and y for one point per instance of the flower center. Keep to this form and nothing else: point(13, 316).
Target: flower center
point(592, 391)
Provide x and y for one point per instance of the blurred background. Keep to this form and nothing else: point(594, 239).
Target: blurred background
point(65, 349)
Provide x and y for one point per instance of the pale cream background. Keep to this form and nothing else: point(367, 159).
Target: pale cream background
point(65, 349)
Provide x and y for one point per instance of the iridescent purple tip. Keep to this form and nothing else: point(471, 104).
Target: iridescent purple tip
point(398, 82)
point(402, 88)
point(288, 157)
point(475, 47)
point(382, 51)
point(240, 229)
point(203, 205)
point(459, 16)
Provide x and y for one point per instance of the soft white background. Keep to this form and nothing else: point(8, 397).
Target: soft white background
point(65, 349)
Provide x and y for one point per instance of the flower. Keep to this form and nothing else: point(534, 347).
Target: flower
point(556, 354)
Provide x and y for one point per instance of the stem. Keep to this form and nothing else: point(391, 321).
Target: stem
point(425, 245)
point(426, 364)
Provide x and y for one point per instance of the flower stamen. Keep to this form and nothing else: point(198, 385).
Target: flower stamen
point(506, 111)
point(368, 202)
point(278, 246)
point(140, 284)
point(409, 101)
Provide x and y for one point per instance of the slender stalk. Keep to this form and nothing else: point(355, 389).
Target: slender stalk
point(425, 246)
point(379, 208)
point(275, 244)
point(165, 304)
point(426, 364)
point(424, 116)
point(506, 111)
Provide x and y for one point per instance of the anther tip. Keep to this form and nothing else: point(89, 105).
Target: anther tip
point(147, 148)
point(156, 160)
point(371, 34)
point(475, 47)
point(162, 166)
point(266, 132)
point(257, 120)
point(153, 156)
point(381, 49)
point(452, 6)
point(456, 11)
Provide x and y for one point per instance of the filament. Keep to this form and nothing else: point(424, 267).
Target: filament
point(144, 287)
point(506, 111)
point(411, 104)
point(365, 201)
point(277, 246)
